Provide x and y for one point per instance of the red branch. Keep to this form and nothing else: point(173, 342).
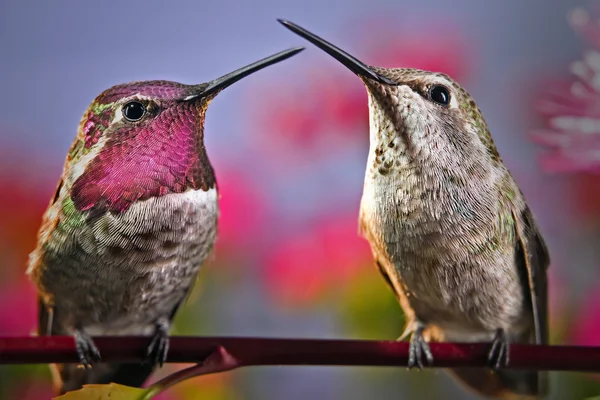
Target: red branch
point(255, 351)
point(218, 361)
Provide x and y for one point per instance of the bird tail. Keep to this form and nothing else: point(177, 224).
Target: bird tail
point(68, 377)
point(504, 384)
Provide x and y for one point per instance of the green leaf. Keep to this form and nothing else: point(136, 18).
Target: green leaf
point(112, 391)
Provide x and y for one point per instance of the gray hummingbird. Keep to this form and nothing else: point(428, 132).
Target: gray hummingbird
point(132, 219)
point(449, 228)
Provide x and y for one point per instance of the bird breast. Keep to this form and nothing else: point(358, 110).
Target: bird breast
point(141, 260)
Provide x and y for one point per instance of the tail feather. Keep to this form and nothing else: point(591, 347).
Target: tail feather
point(504, 384)
point(73, 377)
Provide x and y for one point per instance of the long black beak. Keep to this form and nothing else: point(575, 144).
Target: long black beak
point(354, 65)
point(232, 77)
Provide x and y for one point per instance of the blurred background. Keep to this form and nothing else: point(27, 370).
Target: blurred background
point(289, 262)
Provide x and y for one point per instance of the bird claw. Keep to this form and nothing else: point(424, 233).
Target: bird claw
point(159, 346)
point(86, 349)
point(499, 354)
point(418, 348)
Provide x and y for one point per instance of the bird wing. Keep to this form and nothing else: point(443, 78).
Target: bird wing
point(534, 258)
point(364, 232)
point(386, 276)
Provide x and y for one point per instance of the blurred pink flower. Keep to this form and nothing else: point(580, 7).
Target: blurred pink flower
point(329, 106)
point(21, 209)
point(18, 308)
point(315, 262)
point(571, 110)
point(242, 209)
point(24, 198)
point(584, 194)
point(310, 117)
point(586, 329)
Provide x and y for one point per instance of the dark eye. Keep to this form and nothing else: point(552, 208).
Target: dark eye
point(134, 111)
point(440, 95)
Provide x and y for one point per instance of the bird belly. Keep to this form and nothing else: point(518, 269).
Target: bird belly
point(465, 298)
point(120, 273)
point(444, 267)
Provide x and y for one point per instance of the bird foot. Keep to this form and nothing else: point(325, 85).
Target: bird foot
point(499, 354)
point(159, 346)
point(418, 349)
point(86, 349)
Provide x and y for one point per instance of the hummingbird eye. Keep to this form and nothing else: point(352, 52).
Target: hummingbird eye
point(134, 111)
point(440, 94)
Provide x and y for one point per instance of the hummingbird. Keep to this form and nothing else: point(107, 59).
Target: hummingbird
point(449, 228)
point(133, 218)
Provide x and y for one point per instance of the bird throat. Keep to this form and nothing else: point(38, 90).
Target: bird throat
point(167, 155)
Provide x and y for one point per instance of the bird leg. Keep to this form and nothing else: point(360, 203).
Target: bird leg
point(159, 346)
point(86, 349)
point(499, 354)
point(418, 348)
